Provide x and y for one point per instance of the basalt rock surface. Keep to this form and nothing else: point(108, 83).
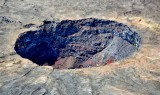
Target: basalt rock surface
point(78, 43)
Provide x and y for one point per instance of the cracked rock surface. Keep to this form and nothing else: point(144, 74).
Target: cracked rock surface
point(138, 74)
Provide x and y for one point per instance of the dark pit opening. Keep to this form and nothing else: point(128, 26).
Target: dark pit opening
point(78, 43)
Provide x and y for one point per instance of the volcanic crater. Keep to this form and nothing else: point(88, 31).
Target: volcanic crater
point(71, 44)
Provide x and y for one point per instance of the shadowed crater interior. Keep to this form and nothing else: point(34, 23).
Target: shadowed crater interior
point(78, 43)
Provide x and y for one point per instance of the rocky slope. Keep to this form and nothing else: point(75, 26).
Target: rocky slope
point(138, 74)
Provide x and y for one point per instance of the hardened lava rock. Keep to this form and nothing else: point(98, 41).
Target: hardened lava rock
point(78, 43)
